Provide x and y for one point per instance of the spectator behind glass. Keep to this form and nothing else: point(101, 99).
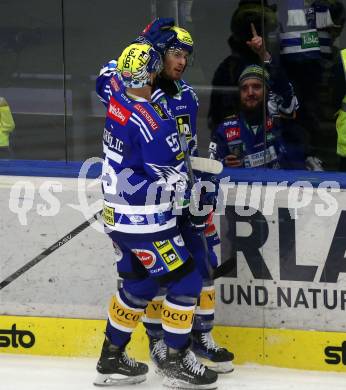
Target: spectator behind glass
point(308, 31)
point(242, 141)
point(6, 127)
point(224, 99)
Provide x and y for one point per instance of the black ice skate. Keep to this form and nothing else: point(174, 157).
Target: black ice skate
point(182, 370)
point(219, 359)
point(115, 368)
point(158, 353)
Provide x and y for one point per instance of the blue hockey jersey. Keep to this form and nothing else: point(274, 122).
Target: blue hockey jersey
point(143, 161)
point(235, 136)
point(183, 105)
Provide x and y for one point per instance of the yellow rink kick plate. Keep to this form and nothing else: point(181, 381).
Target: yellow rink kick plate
point(302, 349)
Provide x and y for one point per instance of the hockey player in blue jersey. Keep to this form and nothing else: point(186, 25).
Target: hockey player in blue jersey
point(180, 100)
point(143, 165)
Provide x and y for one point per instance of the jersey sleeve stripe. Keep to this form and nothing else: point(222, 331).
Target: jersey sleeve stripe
point(150, 228)
point(142, 125)
point(157, 94)
point(140, 129)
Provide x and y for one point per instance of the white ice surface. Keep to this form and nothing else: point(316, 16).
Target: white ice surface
point(23, 372)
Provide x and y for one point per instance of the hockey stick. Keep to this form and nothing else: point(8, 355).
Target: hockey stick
point(62, 241)
point(206, 165)
point(188, 164)
point(214, 167)
point(224, 268)
point(221, 270)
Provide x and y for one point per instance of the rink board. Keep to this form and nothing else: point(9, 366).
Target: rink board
point(300, 349)
point(282, 305)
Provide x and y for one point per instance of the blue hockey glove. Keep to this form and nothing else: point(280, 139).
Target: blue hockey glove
point(158, 34)
point(208, 196)
point(205, 198)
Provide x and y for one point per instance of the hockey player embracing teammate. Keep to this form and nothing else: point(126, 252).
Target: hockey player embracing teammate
point(179, 98)
point(143, 169)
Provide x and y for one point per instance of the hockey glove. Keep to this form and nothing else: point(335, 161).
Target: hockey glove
point(158, 34)
point(200, 202)
point(199, 222)
point(209, 193)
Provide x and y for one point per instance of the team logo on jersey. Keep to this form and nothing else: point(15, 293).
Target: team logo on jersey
point(159, 110)
point(152, 123)
point(232, 133)
point(168, 173)
point(117, 112)
point(146, 257)
point(178, 240)
point(184, 125)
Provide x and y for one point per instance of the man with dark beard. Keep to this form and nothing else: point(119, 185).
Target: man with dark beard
point(242, 140)
point(239, 140)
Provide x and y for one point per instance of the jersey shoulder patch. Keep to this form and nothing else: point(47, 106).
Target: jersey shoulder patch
point(161, 113)
point(231, 121)
point(118, 112)
point(147, 115)
point(115, 84)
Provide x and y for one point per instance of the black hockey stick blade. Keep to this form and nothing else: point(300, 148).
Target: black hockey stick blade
point(62, 241)
point(224, 268)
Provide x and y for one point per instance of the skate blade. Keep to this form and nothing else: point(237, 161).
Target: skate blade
point(220, 367)
point(174, 383)
point(118, 380)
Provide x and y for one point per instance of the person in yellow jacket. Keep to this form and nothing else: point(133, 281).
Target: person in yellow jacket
point(341, 134)
point(340, 105)
point(6, 127)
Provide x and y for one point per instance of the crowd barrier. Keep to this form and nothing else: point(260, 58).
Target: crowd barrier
point(282, 302)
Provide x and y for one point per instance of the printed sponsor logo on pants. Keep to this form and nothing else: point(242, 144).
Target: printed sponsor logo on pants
point(147, 258)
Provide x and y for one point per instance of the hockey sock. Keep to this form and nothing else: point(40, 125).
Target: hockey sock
point(205, 310)
point(152, 317)
point(177, 318)
point(124, 313)
point(179, 307)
